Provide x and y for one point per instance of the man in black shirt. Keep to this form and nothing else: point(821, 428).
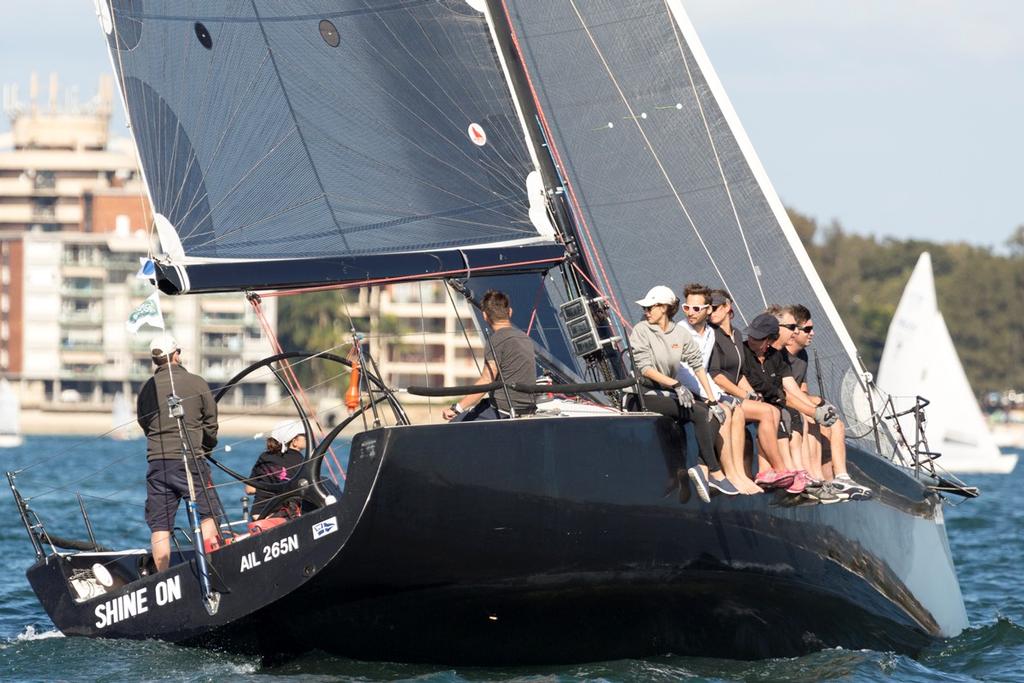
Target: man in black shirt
point(828, 435)
point(510, 357)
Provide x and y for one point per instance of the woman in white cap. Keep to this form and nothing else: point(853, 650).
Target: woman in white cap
point(285, 453)
point(659, 346)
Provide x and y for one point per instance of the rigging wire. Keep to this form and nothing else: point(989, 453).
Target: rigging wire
point(591, 254)
point(462, 326)
point(718, 160)
point(647, 142)
point(426, 365)
point(295, 387)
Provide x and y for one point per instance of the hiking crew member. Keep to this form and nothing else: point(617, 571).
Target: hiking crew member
point(166, 482)
point(819, 436)
point(659, 345)
point(732, 433)
point(510, 357)
point(727, 370)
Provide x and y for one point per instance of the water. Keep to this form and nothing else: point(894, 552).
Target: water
point(984, 534)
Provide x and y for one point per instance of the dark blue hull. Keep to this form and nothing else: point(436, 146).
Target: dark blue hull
point(553, 540)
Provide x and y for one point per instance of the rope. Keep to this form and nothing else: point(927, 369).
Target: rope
point(611, 303)
point(536, 303)
point(462, 326)
point(293, 384)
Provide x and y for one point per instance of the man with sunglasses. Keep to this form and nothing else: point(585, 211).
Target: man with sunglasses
point(827, 435)
point(732, 432)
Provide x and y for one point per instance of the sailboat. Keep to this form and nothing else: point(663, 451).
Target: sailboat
point(122, 418)
point(573, 155)
point(10, 416)
point(920, 359)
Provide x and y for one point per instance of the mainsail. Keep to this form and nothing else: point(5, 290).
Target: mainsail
point(664, 182)
point(287, 144)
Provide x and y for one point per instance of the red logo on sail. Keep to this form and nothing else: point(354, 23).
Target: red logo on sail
point(477, 134)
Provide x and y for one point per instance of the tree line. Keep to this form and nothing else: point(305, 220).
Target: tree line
point(980, 293)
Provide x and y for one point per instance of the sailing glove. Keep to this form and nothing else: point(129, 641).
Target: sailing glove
point(683, 396)
point(825, 414)
point(716, 412)
point(754, 396)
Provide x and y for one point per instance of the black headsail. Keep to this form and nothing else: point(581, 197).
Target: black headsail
point(293, 144)
point(665, 184)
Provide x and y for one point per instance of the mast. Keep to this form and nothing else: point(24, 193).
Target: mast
point(607, 358)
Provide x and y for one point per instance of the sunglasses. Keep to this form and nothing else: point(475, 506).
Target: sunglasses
point(695, 308)
point(789, 326)
point(647, 308)
point(806, 328)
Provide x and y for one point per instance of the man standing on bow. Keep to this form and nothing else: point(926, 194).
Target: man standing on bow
point(167, 449)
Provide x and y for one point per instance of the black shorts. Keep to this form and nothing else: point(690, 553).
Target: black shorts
point(796, 421)
point(166, 485)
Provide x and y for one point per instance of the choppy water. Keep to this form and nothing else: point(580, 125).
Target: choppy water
point(986, 535)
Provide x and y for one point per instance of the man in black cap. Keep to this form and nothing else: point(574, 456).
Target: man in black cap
point(765, 368)
point(166, 478)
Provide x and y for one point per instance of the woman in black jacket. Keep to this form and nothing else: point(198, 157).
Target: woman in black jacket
point(286, 448)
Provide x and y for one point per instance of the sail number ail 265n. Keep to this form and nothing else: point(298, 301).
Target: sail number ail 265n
point(269, 552)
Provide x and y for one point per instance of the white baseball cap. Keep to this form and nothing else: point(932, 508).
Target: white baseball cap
point(659, 294)
point(163, 345)
point(287, 430)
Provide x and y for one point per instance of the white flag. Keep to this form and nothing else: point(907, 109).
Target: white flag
point(148, 313)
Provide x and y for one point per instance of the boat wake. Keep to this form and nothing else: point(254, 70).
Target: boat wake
point(30, 633)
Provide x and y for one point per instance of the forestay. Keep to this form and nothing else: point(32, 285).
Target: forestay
point(313, 130)
point(666, 186)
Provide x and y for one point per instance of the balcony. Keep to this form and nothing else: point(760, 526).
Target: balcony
point(86, 317)
point(81, 371)
point(89, 292)
point(69, 344)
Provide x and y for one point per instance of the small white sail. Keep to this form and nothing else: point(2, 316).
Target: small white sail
point(919, 359)
point(10, 416)
point(123, 419)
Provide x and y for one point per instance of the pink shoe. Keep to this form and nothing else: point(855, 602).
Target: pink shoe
point(799, 483)
point(771, 479)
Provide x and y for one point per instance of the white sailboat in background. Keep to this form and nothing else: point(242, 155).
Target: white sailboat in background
point(10, 416)
point(919, 359)
point(123, 425)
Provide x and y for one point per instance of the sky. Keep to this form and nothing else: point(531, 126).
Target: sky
point(896, 118)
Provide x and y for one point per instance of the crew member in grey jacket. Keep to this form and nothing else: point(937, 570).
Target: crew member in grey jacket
point(659, 346)
point(166, 481)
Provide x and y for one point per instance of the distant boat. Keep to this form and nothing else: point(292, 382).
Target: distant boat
point(10, 416)
point(123, 426)
point(919, 359)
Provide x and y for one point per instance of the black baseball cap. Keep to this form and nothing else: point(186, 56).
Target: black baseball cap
point(763, 326)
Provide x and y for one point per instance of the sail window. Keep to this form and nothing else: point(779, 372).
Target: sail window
point(329, 32)
point(204, 36)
